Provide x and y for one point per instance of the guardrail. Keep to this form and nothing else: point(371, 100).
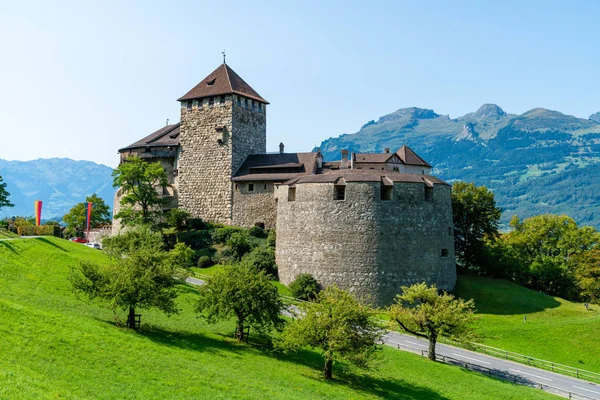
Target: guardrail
point(496, 373)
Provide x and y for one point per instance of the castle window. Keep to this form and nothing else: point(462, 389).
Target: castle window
point(339, 192)
point(222, 99)
point(251, 187)
point(211, 101)
point(189, 105)
point(292, 194)
point(211, 82)
point(265, 186)
point(428, 193)
point(386, 192)
point(444, 252)
point(259, 106)
point(396, 169)
point(450, 231)
point(236, 186)
point(239, 101)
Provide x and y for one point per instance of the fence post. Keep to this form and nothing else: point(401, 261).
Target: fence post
point(506, 354)
point(577, 372)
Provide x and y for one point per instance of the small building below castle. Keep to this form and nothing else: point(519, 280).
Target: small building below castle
point(368, 222)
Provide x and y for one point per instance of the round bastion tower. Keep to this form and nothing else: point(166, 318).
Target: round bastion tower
point(369, 232)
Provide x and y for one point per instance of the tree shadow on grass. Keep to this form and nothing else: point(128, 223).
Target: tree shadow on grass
point(46, 241)
point(9, 246)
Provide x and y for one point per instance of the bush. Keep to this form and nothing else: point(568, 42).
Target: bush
point(305, 287)
point(239, 244)
point(4, 224)
point(272, 238)
point(222, 235)
point(257, 231)
point(263, 259)
point(197, 224)
point(204, 262)
point(195, 239)
point(224, 257)
point(43, 230)
point(178, 218)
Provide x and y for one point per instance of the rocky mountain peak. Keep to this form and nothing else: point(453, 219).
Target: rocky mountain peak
point(490, 110)
point(595, 117)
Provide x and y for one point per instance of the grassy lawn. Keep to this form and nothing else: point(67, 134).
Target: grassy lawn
point(5, 234)
point(556, 330)
point(57, 346)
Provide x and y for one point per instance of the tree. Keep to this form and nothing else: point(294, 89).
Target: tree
point(338, 326)
point(77, 216)
point(587, 273)
point(304, 287)
point(475, 217)
point(140, 273)
point(4, 195)
point(142, 185)
point(545, 248)
point(242, 292)
point(262, 258)
point(423, 312)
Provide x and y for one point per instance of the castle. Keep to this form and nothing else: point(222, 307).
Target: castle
point(369, 223)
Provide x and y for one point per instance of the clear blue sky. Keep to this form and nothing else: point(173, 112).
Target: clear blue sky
point(81, 81)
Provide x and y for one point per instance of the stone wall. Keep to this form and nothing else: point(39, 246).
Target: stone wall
point(256, 206)
point(215, 140)
point(364, 244)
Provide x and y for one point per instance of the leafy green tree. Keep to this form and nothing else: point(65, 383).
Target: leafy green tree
point(421, 311)
point(242, 292)
point(336, 325)
point(475, 217)
point(142, 185)
point(239, 244)
point(587, 272)
point(545, 248)
point(77, 216)
point(262, 258)
point(4, 195)
point(305, 287)
point(140, 273)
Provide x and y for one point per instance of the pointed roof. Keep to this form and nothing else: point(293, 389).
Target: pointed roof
point(409, 157)
point(222, 80)
point(165, 136)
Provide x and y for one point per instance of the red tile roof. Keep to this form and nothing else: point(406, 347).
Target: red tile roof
point(222, 80)
point(409, 157)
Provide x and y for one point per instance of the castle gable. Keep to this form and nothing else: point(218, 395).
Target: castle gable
point(276, 167)
point(165, 136)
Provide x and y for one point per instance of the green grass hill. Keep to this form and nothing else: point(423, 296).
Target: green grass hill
point(54, 345)
point(556, 330)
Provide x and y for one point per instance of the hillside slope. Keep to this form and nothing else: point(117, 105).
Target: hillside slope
point(59, 182)
point(556, 330)
point(56, 346)
point(542, 161)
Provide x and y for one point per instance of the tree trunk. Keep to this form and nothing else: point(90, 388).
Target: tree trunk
point(239, 331)
point(328, 366)
point(131, 318)
point(432, 341)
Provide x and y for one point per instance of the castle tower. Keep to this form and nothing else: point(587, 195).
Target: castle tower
point(223, 120)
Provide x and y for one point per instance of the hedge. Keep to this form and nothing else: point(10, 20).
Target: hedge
point(43, 230)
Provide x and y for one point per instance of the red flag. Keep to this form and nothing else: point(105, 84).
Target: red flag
point(37, 205)
point(89, 216)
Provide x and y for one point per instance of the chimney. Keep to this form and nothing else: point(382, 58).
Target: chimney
point(344, 163)
point(352, 159)
point(281, 147)
point(387, 149)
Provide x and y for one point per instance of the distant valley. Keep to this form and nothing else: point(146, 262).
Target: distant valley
point(59, 182)
point(538, 162)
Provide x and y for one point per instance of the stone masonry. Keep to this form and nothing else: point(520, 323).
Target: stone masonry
point(364, 244)
point(215, 140)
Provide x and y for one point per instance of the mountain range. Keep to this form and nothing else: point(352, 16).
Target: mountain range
point(541, 161)
point(59, 182)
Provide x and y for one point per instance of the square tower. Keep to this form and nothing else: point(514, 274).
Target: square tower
point(223, 120)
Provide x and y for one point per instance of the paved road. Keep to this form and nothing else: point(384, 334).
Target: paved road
point(530, 375)
point(533, 375)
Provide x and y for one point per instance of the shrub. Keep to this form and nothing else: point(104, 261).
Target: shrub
point(224, 257)
point(195, 239)
point(43, 230)
point(257, 231)
point(238, 241)
point(197, 223)
point(305, 287)
point(178, 218)
point(263, 259)
point(272, 238)
point(4, 224)
point(204, 262)
point(222, 235)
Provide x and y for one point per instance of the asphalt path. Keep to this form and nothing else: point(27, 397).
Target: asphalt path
point(528, 375)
